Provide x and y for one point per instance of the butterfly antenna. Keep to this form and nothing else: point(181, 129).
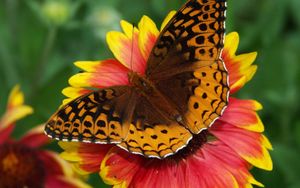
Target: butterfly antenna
point(132, 47)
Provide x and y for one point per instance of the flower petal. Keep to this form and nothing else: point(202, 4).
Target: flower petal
point(16, 98)
point(59, 172)
point(118, 167)
point(202, 172)
point(106, 73)
point(74, 92)
point(126, 48)
point(5, 133)
point(65, 182)
point(35, 137)
point(241, 113)
point(14, 114)
point(240, 67)
point(106, 66)
point(128, 29)
point(249, 145)
point(15, 109)
point(87, 157)
point(232, 41)
point(147, 36)
point(54, 164)
point(167, 19)
point(224, 157)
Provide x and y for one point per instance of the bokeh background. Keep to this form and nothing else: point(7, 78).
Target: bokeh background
point(39, 40)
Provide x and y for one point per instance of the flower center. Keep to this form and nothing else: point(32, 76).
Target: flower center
point(194, 145)
point(20, 167)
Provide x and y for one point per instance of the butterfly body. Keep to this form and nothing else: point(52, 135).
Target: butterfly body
point(183, 91)
point(144, 87)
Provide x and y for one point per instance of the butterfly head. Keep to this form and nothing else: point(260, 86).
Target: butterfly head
point(140, 82)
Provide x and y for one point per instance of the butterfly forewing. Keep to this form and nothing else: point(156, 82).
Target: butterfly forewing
point(98, 117)
point(193, 36)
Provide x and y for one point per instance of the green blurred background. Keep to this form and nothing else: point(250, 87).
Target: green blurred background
point(39, 40)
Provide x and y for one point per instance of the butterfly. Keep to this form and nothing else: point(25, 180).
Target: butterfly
point(183, 91)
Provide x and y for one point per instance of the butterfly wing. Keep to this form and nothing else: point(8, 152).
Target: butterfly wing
point(200, 95)
point(153, 135)
point(194, 36)
point(185, 62)
point(101, 116)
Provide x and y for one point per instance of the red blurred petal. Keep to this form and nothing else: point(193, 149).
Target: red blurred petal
point(5, 133)
point(51, 165)
point(54, 181)
point(35, 138)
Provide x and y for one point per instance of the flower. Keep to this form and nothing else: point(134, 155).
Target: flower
point(218, 157)
point(102, 19)
point(22, 163)
point(57, 12)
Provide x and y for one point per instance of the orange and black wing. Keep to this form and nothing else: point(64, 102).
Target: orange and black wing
point(186, 66)
point(101, 116)
point(194, 36)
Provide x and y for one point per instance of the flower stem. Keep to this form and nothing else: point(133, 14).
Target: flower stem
point(8, 61)
point(41, 67)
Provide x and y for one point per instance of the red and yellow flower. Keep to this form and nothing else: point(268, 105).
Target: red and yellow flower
point(219, 157)
point(22, 162)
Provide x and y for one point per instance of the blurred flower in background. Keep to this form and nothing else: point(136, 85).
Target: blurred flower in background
point(219, 157)
point(54, 13)
point(22, 162)
point(103, 19)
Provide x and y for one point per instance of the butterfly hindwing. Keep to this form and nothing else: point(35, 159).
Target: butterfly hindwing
point(98, 117)
point(153, 135)
point(157, 141)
